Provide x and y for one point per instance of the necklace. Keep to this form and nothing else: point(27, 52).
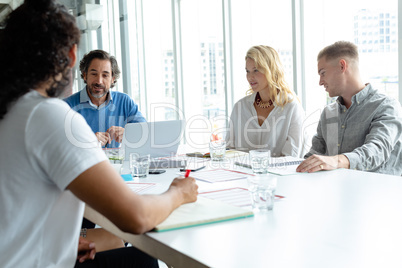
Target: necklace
point(261, 104)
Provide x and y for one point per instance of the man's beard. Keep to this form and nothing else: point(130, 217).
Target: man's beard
point(98, 96)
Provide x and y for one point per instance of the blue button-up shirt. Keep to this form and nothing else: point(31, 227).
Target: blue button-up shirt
point(368, 133)
point(118, 110)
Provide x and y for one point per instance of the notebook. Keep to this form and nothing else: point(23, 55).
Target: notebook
point(204, 211)
point(159, 139)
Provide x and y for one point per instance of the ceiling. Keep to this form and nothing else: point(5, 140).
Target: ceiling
point(6, 6)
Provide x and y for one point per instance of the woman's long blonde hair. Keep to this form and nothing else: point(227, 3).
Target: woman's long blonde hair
point(267, 61)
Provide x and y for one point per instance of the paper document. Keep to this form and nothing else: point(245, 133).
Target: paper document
point(228, 154)
point(279, 165)
point(219, 175)
point(138, 187)
point(204, 211)
point(239, 197)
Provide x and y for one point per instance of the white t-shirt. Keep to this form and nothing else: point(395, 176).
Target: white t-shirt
point(281, 132)
point(44, 146)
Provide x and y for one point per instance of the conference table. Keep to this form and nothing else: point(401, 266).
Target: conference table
point(339, 218)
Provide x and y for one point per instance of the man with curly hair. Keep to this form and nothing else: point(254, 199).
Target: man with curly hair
point(52, 163)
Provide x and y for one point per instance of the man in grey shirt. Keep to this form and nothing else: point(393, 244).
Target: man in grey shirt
point(362, 129)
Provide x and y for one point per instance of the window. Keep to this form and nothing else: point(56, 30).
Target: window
point(201, 75)
point(154, 56)
point(252, 26)
point(378, 64)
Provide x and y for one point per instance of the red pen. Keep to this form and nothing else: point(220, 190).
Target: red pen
point(187, 173)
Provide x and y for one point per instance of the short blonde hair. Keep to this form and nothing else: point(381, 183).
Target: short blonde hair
point(340, 49)
point(267, 61)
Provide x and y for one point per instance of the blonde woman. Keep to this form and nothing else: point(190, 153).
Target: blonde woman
point(270, 116)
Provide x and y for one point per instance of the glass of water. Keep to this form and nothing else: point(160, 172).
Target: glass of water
point(259, 160)
point(262, 189)
point(217, 150)
point(139, 165)
point(115, 155)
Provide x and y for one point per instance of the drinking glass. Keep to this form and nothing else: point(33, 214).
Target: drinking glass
point(139, 165)
point(262, 189)
point(259, 160)
point(217, 150)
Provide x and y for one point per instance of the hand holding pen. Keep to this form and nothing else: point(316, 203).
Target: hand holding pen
point(187, 186)
point(187, 173)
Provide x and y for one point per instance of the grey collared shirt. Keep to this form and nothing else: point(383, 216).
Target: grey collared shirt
point(368, 133)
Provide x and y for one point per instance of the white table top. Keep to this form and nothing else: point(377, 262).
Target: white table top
point(339, 218)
